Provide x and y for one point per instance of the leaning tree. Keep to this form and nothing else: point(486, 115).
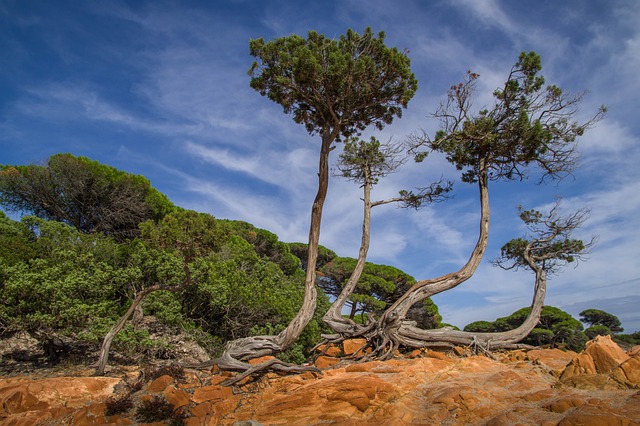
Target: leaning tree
point(528, 125)
point(336, 88)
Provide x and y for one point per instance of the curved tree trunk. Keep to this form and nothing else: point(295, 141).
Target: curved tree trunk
point(238, 351)
point(333, 318)
point(426, 288)
point(108, 339)
point(416, 337)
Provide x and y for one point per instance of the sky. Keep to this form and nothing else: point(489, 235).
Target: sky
point(160, 88)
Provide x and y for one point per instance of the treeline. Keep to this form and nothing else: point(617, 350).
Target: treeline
point(558, 328)
point(71, 270)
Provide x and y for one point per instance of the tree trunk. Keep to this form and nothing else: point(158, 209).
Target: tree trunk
point(256, 346)
point(106, 343)
point(416, 337)
point(426, 288)
point(333, 318)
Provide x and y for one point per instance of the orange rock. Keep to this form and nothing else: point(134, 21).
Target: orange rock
point(350, 346)
point(201, 410)
point(323, 362)
point(566, 403)
point(628, 371)
point(606, 354)
point(582, 364)
point(160, 384)
point(260, 360)
point(555, 359)
point(414, 354)
point(333, 351)
point(437, 355)
point(176, 397)
point(212, 393)
point(357, 398)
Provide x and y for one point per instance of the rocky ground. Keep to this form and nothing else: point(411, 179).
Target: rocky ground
point(599, 386)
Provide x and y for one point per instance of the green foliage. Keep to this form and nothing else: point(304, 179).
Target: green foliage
point(343, 84)
point(480, 327)
point(528, 124)
point(597, 330)
point(364, 162)
point(631, 339)
point(267, 245)
point(83, 193)
point(556, 328)
point(596, 317)
point(66, 286)
point(67, 282)
point(378, 285)
point(300, 251)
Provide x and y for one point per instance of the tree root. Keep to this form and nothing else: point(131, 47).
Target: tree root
point(271, 365)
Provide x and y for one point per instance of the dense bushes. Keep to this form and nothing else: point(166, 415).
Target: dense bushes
point(55, 280)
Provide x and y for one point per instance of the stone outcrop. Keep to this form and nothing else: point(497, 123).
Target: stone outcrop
point(542, 387)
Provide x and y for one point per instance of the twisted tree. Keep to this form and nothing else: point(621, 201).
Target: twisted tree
point(529, 125)
point(335, 88)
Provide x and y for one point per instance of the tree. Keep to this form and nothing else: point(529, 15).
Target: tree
point(555, 328)
point(365, 162)
point(596, 317)
point(335, 88)
point(83, 193)
point(528, 125)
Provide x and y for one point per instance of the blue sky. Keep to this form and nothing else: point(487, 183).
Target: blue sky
point(160, 88)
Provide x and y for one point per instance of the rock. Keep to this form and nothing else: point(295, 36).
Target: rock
point(606, 354)
point(331, 350)
point(555, 359)
point(323, 362)
point(629, 371)
point(260, 360)
point(350, 346)
point(160, 384)
point(424, 390)
point(582, 364)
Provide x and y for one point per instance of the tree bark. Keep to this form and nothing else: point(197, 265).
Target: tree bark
point(108, 339)
point(240, 350)
point(426, 288)
point(333, 318)
point(416, 337)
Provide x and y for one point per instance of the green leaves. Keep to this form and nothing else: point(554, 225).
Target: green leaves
point(339, 85)
point(527, 125)
point(83, 193)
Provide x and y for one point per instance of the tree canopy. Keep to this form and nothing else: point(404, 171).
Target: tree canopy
point(344, 84)
point(83, 193)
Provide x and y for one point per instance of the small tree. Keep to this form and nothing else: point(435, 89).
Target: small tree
point(596, 317)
